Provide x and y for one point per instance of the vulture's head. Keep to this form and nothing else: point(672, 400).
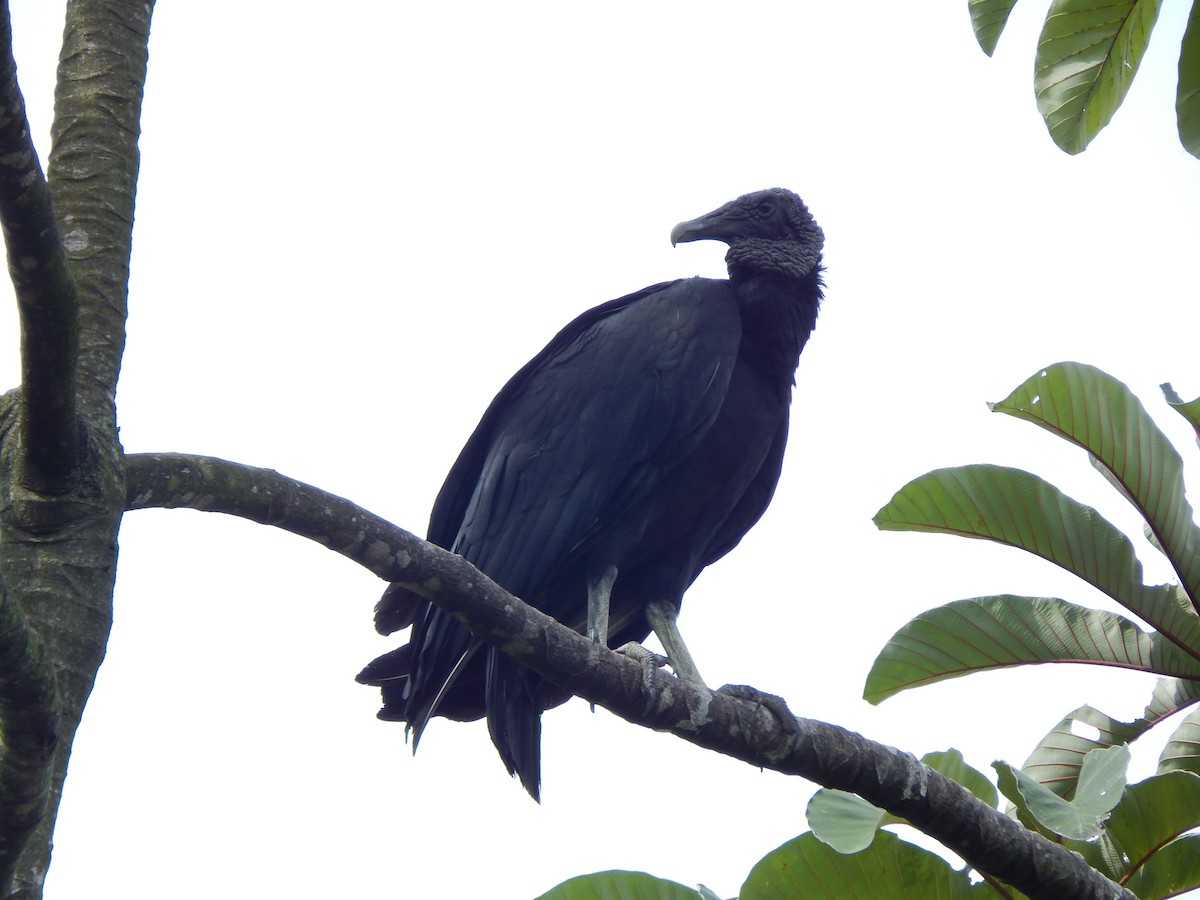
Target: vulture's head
point(771, 223)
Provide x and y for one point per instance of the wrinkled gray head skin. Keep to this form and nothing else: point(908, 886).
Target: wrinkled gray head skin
point(766, 225)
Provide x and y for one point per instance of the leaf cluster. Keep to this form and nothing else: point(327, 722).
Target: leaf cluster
point(1070, 789)
point(1087, 56)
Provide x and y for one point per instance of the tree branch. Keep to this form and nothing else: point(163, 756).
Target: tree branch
point(763, 734)
point(46, 295)
point(94, 163)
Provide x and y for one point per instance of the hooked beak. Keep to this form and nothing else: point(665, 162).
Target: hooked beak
point(723, 224)
point(688, 231)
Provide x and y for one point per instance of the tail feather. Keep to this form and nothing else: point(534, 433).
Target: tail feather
point(420, 714)
point(514, 718)
point(435, 673)
point(393, 665)
point(444, 670)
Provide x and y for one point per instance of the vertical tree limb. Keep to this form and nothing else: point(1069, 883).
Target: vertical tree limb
point(46, 297)
point(94, 163)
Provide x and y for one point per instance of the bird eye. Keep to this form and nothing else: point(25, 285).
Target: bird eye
point(765, 208)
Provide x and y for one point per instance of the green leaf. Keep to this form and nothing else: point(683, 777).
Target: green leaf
point(1187, 99)
point(1170, 696)
point(1099, 789)
point(996, 632)
point(1014, 507)
point(844, 821)
point(1097, 412)
point(1087, 56)
point(1191, 409)
point(1056, 764)
point(1006, 778)
point(1170, 872)
point(1154, 812)
point(951, 764)
point(1058, 758)
point(988, 18)
point(889, 869)
point(1151, 815)
point(617, 885)
point(1182, 752)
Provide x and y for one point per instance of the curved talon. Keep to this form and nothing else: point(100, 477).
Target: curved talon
point(773, 703)
point(650, 662)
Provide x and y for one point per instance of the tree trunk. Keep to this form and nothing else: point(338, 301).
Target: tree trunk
point(59, 454)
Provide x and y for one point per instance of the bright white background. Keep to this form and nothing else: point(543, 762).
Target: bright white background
point(355, 222)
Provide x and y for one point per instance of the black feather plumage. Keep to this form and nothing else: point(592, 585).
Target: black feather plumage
point(647, 437)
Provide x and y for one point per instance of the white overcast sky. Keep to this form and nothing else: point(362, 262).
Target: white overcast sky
point(355, 221)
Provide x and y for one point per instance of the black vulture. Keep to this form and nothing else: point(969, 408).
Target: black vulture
point(637, 448)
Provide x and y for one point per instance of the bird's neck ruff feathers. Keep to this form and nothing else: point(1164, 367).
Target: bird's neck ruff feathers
point(778, 284)
point(780, 259)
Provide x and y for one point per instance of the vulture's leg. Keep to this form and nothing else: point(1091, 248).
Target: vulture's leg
point(662, 617)
point(599, 592)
